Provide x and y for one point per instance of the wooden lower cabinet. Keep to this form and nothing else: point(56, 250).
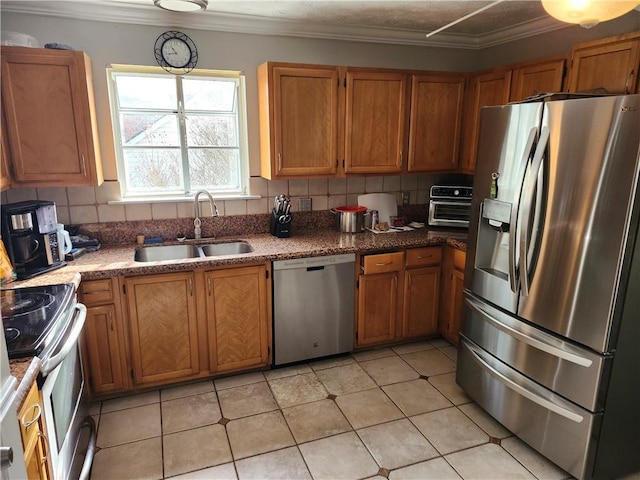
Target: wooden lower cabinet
point(237, 319)
point(163, 327)
point(103, 344)
point(398, 296)
point(452, 293)
point(34, 442)
point(377, 308)
point(420, 310)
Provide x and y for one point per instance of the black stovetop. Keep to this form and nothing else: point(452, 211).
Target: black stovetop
point(30, 315)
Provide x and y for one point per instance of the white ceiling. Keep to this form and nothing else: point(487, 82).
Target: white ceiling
point(385, 21)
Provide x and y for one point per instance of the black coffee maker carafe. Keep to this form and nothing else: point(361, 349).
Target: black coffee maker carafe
point(30, 237)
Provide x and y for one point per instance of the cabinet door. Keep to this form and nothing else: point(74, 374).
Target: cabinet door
point(611, 65)
point(47, 99)
point(237, 318)
point(544, 76)
point(375, 118)
point(485, 89)
point(420, 306)
point(33, 438)
point(5, 177)
point(435, 122)
point(104, 349)
point(298, 120)
point(377, 308)
point(162, 317)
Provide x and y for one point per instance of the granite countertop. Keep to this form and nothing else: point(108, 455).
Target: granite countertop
point(111, 261)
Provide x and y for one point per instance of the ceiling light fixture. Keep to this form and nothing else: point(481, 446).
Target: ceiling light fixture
point(587, 13)
point(181, 5)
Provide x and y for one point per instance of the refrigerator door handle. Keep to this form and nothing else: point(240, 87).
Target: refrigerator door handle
point(539, 341)
point(515, 207)
point(532, 396)
point(528, 192)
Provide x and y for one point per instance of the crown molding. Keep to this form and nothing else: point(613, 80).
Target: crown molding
point(142, 14)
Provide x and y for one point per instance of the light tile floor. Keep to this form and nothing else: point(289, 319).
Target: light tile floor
point(392, 412)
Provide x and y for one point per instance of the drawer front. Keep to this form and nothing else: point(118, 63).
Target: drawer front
point(419, 257)
point(96, 292)
point(459, 259)
point(383, 262)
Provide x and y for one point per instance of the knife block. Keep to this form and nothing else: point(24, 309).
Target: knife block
point(278, 229)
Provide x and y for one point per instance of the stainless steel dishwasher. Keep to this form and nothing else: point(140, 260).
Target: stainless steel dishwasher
point(313, 307)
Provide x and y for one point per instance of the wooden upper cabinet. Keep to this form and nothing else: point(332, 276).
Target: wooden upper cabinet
point(436, 120)
point(163, 327)
point(485, 89)
point(298, 120)
point(47, 98)
point(539, 77)
point(606, 66)
point(237, 318)
point(5, 176)
point(375, 121)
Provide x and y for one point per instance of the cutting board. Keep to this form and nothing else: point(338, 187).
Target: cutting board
point(385, 203)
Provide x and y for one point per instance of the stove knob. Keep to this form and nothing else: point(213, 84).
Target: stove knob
point(456, 192)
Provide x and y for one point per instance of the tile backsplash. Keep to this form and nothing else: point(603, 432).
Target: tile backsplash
point(85, 205)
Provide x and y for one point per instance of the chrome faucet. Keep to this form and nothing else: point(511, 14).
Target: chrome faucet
point(197, 230)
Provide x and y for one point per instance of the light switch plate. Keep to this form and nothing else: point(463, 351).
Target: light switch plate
point(304, 204)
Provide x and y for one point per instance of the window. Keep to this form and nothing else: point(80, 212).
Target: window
point(175, 135)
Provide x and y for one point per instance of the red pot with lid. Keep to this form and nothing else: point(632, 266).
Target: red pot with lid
point(350, 218)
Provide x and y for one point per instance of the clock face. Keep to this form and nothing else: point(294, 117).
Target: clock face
point(176, 52)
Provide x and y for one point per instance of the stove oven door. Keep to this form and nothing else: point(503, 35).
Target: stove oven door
point(64, 403)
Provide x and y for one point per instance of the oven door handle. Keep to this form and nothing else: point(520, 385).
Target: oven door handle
point(78, 323)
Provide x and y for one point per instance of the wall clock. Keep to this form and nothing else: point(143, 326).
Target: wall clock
point(176, 52)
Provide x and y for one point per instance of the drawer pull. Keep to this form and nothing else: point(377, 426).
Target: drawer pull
point(37, 412)
point(383, 264)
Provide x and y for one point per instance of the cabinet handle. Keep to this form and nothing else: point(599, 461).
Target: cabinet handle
point(84, 166)
point(191, 287)
point(37, 412)
point(44, 446)
point(279, 161)
point(382, 264)
point(111, 321)
point(395, 281)
point(209, 285)
point(400, 157)
point(628, 82)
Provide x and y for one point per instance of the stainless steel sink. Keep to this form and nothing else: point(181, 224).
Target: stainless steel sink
point(159, 253)
point(229, 248)
point(166, 252)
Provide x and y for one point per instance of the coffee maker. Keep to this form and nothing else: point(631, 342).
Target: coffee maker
point(30, 237)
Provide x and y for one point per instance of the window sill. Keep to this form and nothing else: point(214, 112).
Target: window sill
point(180, 199)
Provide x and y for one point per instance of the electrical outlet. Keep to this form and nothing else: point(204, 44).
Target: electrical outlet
point(405, 198)
point(304, 204)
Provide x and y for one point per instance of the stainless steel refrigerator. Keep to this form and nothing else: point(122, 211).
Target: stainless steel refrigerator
point(550, 339)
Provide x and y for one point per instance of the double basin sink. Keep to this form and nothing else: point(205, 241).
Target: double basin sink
point(159, 253)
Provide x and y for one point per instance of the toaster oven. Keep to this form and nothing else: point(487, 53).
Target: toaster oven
point(450, 206)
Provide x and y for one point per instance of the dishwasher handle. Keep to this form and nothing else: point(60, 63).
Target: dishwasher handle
point(319, 267)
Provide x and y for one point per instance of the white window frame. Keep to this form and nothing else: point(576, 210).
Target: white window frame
point(243, 143)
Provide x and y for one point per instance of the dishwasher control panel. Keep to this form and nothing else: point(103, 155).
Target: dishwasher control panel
point(314, 261)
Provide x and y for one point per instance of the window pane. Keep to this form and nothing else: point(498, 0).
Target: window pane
point(149, 130)
point(153, 170)
point(214, 169)
point(146, 92)
point(209, 130)
point(200, 94)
